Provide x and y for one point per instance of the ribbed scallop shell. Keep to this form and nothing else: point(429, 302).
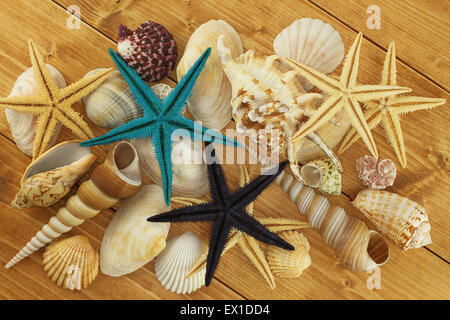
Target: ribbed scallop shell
point(111, 104)
point(174, 262)
point(311, 42)
point(23, 124)
point(72, 263)
point(374, 173)
point(287, 263)
point(150, 50)
point(402, 220)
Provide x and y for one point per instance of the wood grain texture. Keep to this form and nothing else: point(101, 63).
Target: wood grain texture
point(415, 274)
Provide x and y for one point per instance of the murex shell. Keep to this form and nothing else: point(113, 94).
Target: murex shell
point(23, 124)
point(322, 174)
point(150, 50)
point(402, 220)
point(174, 262)
point(71, 262)
point(286, 263)
point(51, 176)
point(130, 241)
point(374, 173)
point(210, 101)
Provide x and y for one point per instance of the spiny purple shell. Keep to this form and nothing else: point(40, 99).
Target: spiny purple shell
point(150, 50)
point(376, 174)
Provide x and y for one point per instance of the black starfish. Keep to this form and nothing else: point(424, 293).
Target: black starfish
point(227, 211)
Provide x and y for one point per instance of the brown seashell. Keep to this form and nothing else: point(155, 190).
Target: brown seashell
point(374, 173)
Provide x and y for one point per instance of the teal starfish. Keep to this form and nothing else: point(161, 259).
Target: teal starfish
point(160, 119)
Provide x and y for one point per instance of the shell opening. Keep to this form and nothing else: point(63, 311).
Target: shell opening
point(311, 175)
point(377, 248)
point(127, 162)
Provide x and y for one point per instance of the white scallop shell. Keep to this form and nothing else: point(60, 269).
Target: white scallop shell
point(174, 262)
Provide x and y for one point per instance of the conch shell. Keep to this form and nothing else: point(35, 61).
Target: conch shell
point(210, 101)
point(119, 177)
point(51, 176)
point(402, 220)
point(23, 124)
point(357, 247)
point(130, 241)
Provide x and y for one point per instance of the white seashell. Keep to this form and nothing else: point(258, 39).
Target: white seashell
point(311, 42)
point(130, 241)
point(210, 101)
point(111, 104)
point(174, 262)
point(23, 124)
point(402, 220)
point(322, 174)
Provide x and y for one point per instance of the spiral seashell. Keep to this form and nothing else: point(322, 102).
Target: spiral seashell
point(174, 262)
point(402, 220)
point(150, 50)
point(52, 175)
point(322, 174)
point(311, 42)
point(357, 247)
point(117, 178)
point(23, 125)
point(210, 101)
point(111, 104)
point(130, 241)
point(374, 173)
point(71, 262)
point(290, 264)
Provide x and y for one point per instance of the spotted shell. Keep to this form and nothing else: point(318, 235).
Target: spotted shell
point(374, 173)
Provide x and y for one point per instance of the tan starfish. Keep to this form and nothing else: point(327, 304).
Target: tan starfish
point(248, 244)
point(345, 94)
point(387, 111)
point(53, 105)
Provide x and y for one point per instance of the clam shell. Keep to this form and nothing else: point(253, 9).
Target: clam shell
point(210, 101)
point(402, 220)
point(286, 263)
point(175, 261)
point(324, 175)
point(311, 42)
point(111, 104)
point(71, 262)
point(52, 175)
point(130, 241)
point(374, 173)
point(23, 124)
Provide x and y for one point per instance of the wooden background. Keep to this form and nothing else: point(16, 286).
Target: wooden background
point(420, 30)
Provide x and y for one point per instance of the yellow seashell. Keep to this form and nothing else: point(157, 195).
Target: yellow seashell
point(290, 264)
point(72, 263)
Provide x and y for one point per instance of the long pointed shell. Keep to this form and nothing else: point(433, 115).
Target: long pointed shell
point(210, 101)
point(117, 178)
point(71, 262)
point(402, 220)
point(175, 261)
point(51, 176)
point(357, 247)
point(22, 124)
point(130, 241)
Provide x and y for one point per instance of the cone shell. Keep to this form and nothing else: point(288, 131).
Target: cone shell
point(402, 220)
point(52, 175)
point(311, 42)
point(287, 263)
point(111, 104)
point(374, 173)
point(175, 261)
point(23, 124)
point(210, 101)
point(150, 50)
point(324, 175)
point(71, 262)
point(130, 241)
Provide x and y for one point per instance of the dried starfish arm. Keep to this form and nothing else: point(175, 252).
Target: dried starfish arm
point(389, 74)
point(351, 63)
point(375, 92)
point(393, 133)
point(402, 105)
point(45, 129)
point(27, 104)
point(75, 123)
point(283, 224)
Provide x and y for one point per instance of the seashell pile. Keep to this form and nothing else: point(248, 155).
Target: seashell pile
point(374, 173)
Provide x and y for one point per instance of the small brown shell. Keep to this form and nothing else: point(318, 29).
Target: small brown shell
point(374, 173)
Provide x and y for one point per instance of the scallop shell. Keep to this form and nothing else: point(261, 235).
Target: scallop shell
point(286, 263)
point(324, 175)
point(130, 241)
point(52, 175)
point(402, 220)
point(150, 50)
point(71, 262)
point(23, 124)
point(374, 173)
point(175, 261)
point(210, 101)
point(311, 42)
point(111, 104)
